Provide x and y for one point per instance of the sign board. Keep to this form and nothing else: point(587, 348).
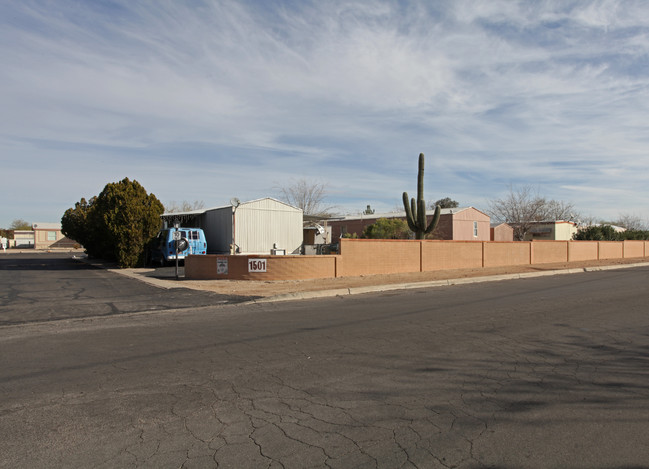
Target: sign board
point(221, 265)
point(176, 235)
point(256, 265)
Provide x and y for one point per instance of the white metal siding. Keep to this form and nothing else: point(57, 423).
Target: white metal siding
point(260, 224)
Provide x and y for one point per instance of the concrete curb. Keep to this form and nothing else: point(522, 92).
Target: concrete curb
point(434, 283)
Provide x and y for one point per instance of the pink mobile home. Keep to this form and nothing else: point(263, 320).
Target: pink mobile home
point(49, 235)
point(502, 232)
point(462, 224)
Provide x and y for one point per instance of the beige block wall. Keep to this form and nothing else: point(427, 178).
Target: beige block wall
point(378, 256)
point(200, 267)
point(298, 267)
point(440, 255)
point(545, 252)
point(611, 250)
point(277, 267)
point(370, 257)
point(582, 251)
point(634, 249)
point(499, 254)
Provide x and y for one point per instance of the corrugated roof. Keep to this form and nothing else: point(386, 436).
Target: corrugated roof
point(221, 207)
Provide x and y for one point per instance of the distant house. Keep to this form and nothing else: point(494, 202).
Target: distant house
point(49, 236)
point(502, 232)
point(253, 227)
point(23, 239)
point(462, 224)
point(551, 231)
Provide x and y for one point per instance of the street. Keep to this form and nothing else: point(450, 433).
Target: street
point(101, 371)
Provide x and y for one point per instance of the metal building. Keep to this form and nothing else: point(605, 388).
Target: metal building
point(254, 227)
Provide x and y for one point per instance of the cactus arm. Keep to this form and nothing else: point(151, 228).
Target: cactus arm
point(409, 217)
point(435, 220)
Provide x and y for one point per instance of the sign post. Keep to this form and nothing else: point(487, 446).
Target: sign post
point(176, 236)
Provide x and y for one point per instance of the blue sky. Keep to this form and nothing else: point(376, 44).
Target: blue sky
point(208, 100)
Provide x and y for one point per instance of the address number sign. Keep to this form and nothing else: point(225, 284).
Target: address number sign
point(256, 265)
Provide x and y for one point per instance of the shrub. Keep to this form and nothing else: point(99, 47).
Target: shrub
point(597, 233)
point(387, 228)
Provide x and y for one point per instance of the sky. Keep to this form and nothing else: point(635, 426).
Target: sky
point(209, 100)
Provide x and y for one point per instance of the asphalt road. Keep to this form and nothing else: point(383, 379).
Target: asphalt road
point(52, 286)
point(544, 372)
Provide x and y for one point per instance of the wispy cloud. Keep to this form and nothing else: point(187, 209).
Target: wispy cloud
point(207, 100)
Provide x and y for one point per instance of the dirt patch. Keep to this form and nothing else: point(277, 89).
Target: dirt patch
point(279, 287)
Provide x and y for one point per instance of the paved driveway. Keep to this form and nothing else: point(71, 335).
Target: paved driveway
point(49, 286)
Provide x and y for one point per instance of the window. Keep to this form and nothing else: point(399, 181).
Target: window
point(51, 235)
point(475, 229)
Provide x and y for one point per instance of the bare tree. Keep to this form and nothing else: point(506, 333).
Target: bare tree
point(560, 210)
point(307, 195)
point(20, 224)
point(630, 222)
point(184, 206)
point(523, 206)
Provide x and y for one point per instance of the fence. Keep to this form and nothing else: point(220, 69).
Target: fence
point(378, 256)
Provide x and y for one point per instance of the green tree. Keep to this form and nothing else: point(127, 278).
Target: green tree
point(74, 223)
point(387, 228)
point(597, 233)
point(117, 224)
point(635, 235)
point(446, 202)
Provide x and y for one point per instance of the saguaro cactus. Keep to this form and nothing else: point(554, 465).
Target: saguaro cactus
point(416, 209)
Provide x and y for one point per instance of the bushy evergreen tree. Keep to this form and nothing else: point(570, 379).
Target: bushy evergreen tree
point(74, 223)
point(597, 233)
point(608, 233)
point(635, 234)
point(117, 224)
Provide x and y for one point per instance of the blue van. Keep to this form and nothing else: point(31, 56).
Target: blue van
point(163, 249)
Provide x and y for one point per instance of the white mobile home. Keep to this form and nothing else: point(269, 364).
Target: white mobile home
point(254, 227)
